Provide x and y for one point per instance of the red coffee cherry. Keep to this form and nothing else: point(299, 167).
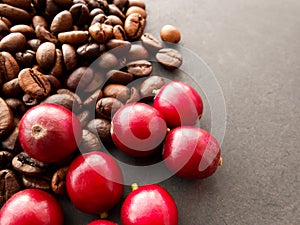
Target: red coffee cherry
point(94, 182)
point(179, 103)
point(49, 132)
point(102, 222)
point(191, 152)
point(138, 129)
point(31, 206)
point(149, 205)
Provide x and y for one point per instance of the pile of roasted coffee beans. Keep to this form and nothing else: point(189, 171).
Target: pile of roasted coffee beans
point(81, 55)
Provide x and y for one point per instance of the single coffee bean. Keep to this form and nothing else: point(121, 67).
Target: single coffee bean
point(96, 11)
point(89, 51)
point(37, 182)
point(139, 3)
point(5, 159)
point(44, 35)
point(91, 101)
point(77, 99)
point(134, 26)
point(119, 33)
point(100, 18)
point(137, 52)
point(14, 14)
point(80, 14)
point(64, 100)
point(114, 10)
point(13, 42)
point(9, 185)
point(107, 107)
point(119, 46)
point(26, 30)
point(29, 101)
point(34, 83)
point(6, 21)
point(58, 69)
point(101, 32)
point(136, 9)
point(108, 61)
point(11, 143)
point(16, 105)
point(97, 82)
point(51, 8)
point(150, 86)
point(9, 67)
point(6, 118)
point(69, 56)
point(63, 21)
point(118, 91)
point(26, 59)
point(151, 43)
point(12, 89)
point(39, 21)
point(54, 82)
point(115, 20)
point(120, 3)
point(101, 128)
point(45, 55)
point(23, 4)
point(90, 142)
point(58, 181)
point(73, 37)
point(170, 58)
point(119, 77)
point(3, 29)
point(84, 117)
point(34, 44)
point(134, 96)
point(139, 68)
point(26, 165)
point(170, 33)
point(80, 78)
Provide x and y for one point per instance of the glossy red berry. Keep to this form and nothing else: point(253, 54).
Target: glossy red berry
point(191, 152)
point(138, 129)
point(31, 206)
point(179, 103)
point(49, 132)
point(102, 222)
point(94, 182)
point(149, 205)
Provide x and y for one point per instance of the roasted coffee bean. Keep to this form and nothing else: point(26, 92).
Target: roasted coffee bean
point(63, 21)
point(108, 61)
point(75, 37)
point(58, 181)
point(23, 4)
point(80, 78)
point(89, 51)
point(134, 96)
point(3, 29)
point(34, 83)
point(137, 52)
point(136, 9)
point(118, 91)
point(26, 59)
point(6, 21)
point(120, 46)
point(51, 8)
point(100, 18)
point(77, 99)
point(34, 44)
point(9, 67)
point(170, 58)
point(90, 142)
point(44, 35)
point(120, 3)
point(151, 42)
point(114, 10)
point(119, 77)
point(114, 20)
point(54, 82)
point(84, 117)
point(101, 32)
point(9, 185)
point(91, 101)
point(96, 83)
point(134, 26)
point(13, 42)
point(64, 100)
point(14, 14)
point(139, 3)
point(29, 101)
point(101, 127)
point(26, 30)
point(6, 118)
point(26, 165)
point(37, 182)
point(5, 159)
point(150, 86)
point(107, 107)
point(39, 21)
point(45, 55)
point(119, 32)
point(12, 89)
point(95, 12)
point(59, 68)
point(11, 143)
point(170, 34)
point(63, 3)
point(16, 105)
point(80, 14)
point(69, 56)
point(139, 68)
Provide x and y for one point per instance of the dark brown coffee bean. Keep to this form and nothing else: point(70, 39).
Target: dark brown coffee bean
point(119, 46)
point(34, 44)
point(120, 3)
point(75, 37)
point(37, 182)
point(12, 89)
point(139, 3)
point(69, 56)
point(134, 26)
point(107, 107)
point(114, 10)
point(34, 83)
point(136, 9)
point(150, 86)
point(16, 105)
point(9, 185)
point(44, 35)
point(151, 42)
point(80, 14)
point(5, 159)
point(95, 12)
point(84, 117)
point(63, 3)
point(114, 20)
point(51, 8)
point(89, 51)
point(39, 21)
point(26, 59)
point(139, 68)
point(6, 21)
point(45, 55)
point(90, 142)
point(101, 32)
point(54, 82)
point(101, 127)
point(3, 29)
point(96, 83)
point(59, 68)
point(26, 165)
point(14, 14)
point(91, 101)
point(134, 96)
point(58, 181)
point(118, 91)
point(9, 67)
point(6, 118)
point(119, 33)
point(137, 52)
point(119, 77)
point(77, 100)
point(100, 18)
point(64, 100)
point(169, 58)
point(26, 30)
point(23, 4)
point(13, 42)
point(29, 101)
point(108, 61)
point(11, 143)
point(80, 78)
point(62, 22)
